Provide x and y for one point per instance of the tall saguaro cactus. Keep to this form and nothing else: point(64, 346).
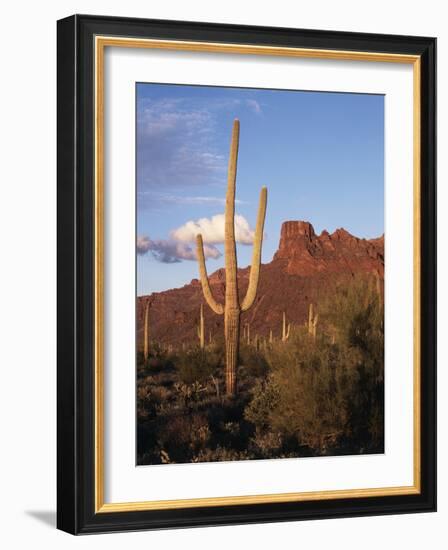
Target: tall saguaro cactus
point(232, 309)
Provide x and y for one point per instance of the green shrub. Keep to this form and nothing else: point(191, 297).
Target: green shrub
point(253, 360)
point(197, 365)
point(266, 398)
point(323, 394)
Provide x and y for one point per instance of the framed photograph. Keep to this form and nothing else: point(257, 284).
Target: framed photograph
point(246, 274)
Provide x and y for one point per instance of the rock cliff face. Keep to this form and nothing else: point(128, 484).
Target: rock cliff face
point(303, 267)
point(306, 253)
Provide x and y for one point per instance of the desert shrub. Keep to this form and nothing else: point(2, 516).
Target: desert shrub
point(266, 397)
point(188, 394)
point(315, 397)
point(266, 444)
point(181, 437)
point(359, 321)
point(197, 365)
point(253, 361)
point(353, 313)
point(323, 394)
point(145, 404)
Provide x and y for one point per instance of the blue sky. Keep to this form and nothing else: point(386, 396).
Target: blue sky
point(320, 154)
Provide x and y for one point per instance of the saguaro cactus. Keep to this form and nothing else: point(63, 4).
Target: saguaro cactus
point(232, 309)
point(201, 328)
point(285, 331)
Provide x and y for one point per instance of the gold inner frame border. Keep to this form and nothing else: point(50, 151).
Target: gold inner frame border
point(100, 43)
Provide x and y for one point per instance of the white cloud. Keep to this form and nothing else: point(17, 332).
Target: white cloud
point(169, 251)
point(212, 230)
point(143, 244)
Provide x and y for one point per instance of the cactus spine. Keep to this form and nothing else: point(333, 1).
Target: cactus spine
point(201, 328)
point(232, 309)
point(285, 331)
point(312, 322)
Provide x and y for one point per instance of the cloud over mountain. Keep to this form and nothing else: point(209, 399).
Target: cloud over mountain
point(212, 230)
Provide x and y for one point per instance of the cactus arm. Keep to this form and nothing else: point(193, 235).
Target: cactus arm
point(207, 291)
point(256, 254)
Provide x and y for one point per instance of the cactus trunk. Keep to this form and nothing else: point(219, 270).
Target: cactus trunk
point(232, 335)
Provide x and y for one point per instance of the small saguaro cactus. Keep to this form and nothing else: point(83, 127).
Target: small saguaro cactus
point(201, 328)
point(248, 333)
point(312, 321)
point(285, 331)
point(271, 337)
point(232, 309)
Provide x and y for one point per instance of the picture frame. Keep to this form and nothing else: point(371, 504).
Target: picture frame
point(82, 43)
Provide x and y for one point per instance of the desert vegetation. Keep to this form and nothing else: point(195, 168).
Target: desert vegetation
point(314, 389)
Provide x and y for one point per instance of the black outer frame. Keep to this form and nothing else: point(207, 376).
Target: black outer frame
point(75, 295)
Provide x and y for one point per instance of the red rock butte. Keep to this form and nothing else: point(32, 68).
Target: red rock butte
point(340, 252)
point(303, 267)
